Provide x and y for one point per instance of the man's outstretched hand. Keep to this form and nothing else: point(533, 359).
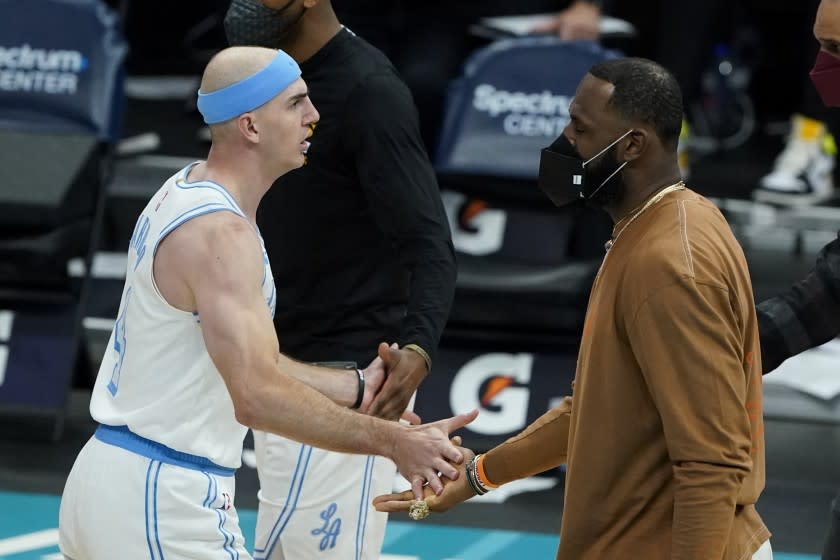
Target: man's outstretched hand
point(424, 453)
point(454, 491)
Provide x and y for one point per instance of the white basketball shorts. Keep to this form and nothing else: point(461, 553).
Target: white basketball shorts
point(132, 499)
point(316, 503)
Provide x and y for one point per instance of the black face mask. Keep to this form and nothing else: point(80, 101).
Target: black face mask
point(249, 22)
point(565, 177)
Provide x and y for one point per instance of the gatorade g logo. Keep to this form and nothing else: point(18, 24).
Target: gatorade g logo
point(495, 384)
point(476, 229)
point(6, 319)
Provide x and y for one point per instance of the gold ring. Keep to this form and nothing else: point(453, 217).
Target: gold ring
point(418, 510)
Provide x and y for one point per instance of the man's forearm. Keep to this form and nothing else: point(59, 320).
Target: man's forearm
point(297, 411)
point(432, 290)
point(704, 509)
point(806, 315)
point(339, 385)
point(541, 446)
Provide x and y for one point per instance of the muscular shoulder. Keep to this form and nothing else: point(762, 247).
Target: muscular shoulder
point(214, 246)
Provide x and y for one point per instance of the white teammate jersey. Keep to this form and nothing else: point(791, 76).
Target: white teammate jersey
point(157, 377)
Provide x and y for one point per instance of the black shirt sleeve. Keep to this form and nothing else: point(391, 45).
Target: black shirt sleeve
point(398, 181)
point(804, 316)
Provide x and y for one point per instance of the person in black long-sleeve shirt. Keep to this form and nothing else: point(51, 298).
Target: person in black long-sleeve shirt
point(808, 313)
point(804, 316)
point(361, 253)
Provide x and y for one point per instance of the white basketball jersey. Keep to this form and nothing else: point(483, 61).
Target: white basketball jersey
point(156, 377)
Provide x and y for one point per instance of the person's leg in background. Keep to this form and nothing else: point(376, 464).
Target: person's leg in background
point(802, 173)
point(680, 35)
point(426, 41)
point(685, 37)
point(316, 503)
point(433, 43)
point(687, 33)
point(430, 56)
point(831, 547)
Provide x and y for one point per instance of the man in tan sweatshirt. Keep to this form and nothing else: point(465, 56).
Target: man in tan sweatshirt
point(663, 437)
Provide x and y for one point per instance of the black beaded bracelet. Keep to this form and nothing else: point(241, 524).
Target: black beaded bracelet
point(472, 479)
point(361, 395)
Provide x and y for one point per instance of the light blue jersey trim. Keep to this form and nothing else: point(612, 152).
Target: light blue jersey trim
point(167, 229)
point(227, 535)
point(287, 511)
point(210, 496)
point(271, 300)
point(182, 183)
point(361, 524)
point(121, 436)
point(157, 533)
point(146, 510)
point(202, 210)
point(229, 543)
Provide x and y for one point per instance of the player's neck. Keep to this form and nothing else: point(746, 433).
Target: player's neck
point(641, 186)
point(243, 178)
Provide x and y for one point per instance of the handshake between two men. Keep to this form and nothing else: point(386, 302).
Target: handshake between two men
point(390, 381)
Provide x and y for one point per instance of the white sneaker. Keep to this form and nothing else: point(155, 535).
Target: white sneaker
point(803, 173)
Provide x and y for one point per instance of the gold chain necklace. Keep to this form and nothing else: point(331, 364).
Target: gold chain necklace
point(678, 186)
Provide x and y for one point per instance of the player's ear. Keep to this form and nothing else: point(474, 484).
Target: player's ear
point(247, 125)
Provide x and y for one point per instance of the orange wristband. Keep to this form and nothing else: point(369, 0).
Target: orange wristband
point(482, 476)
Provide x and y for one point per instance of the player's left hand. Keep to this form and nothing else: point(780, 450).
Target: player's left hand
point(374, 378)
point(406, 369)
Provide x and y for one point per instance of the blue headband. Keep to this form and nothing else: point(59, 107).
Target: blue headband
point(248, 94)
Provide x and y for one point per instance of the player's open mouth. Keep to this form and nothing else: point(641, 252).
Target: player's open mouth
point(305, 146)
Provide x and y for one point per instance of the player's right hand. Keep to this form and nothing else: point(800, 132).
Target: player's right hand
point(424, 453)
point(454, 491)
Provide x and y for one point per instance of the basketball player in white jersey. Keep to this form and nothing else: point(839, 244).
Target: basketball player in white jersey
point(193, 360)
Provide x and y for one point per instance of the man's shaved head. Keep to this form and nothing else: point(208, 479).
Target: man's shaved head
point(234, 64)
point(827, 26)
point(230, 66)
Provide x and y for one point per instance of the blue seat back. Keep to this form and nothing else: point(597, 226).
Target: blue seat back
point(60, 67)
point(511, 102)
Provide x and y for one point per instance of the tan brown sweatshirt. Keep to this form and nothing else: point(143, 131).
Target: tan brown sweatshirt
point(664, 437)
